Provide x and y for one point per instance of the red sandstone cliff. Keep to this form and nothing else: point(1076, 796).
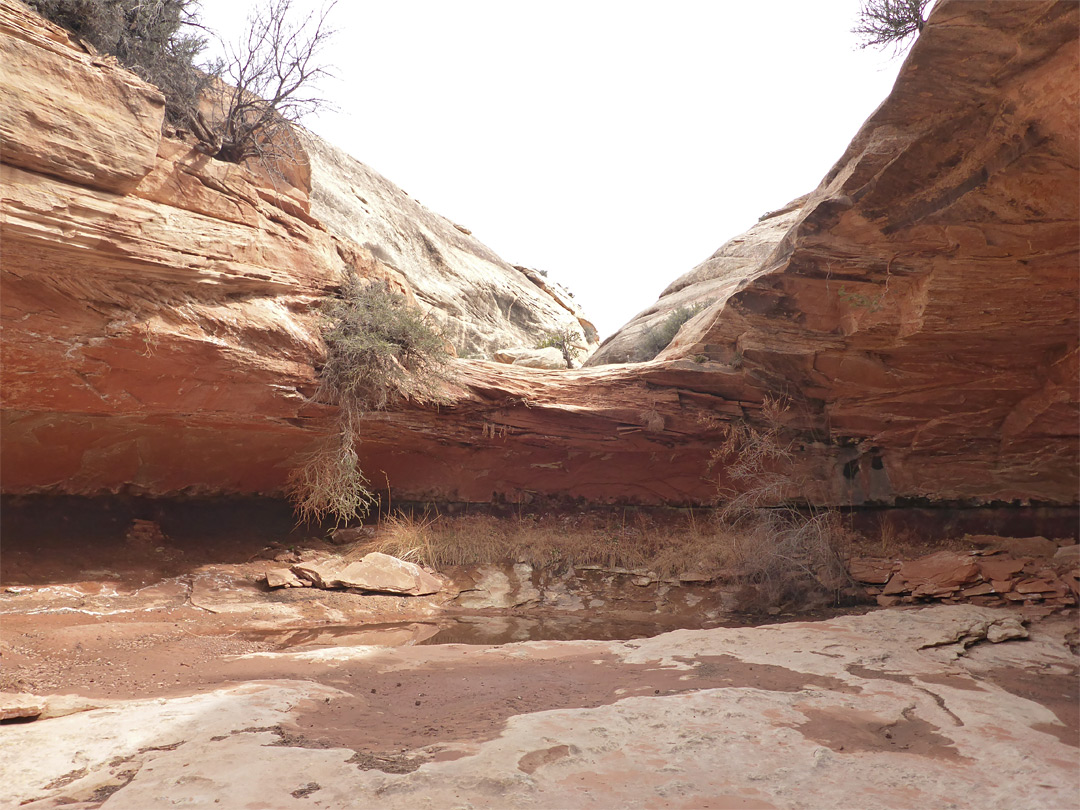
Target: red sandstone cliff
point(157, 305)
point(920, 310)
point(923, 305)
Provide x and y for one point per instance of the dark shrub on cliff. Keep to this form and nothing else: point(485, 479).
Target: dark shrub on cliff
point(659, 337)
point(378, 348)
point(267, 77)
point(155, 39)
point(889, 22)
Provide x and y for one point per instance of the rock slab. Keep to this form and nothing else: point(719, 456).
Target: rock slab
point(893, 709)
point(376, 571)
point(20, 706)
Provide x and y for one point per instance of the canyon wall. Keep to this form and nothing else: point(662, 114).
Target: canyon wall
point(159, 330)
point(922, 306)
point(918, 310)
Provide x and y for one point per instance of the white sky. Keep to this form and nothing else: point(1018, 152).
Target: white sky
point(613, 143)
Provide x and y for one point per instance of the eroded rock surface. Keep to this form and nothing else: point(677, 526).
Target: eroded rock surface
point(549, 358)
point(892, 709)
point(101, 131)
point(712, 281)
point(20, 706)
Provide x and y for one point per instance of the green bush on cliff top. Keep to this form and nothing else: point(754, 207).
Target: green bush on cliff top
point(659, 337)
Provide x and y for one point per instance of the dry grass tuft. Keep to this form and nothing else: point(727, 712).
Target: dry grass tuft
point(775, 556)
point(896, 540)
point(634, 542)
point(783, 556)
point(770, 560)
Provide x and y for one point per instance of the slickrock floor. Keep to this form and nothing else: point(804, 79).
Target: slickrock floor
point(942, 707)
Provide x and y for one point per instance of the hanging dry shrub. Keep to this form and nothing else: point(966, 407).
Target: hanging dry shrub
point(781, 554)
point(378, 348)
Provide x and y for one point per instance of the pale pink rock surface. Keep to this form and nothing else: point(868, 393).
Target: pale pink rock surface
point(894, 709)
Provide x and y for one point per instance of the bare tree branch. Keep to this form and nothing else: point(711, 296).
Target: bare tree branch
point(272, 72)
point(889, 22)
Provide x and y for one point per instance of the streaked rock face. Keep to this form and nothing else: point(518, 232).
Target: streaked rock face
point(714, 280)
point(921, 305)
point(924, 303)
point(918, 311)
point(102, 129)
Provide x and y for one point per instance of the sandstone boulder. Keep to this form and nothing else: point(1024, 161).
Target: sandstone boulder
point(1044, 586)
point(875, 571)
point(284, 578)
point(946, 570)
point(1006, 630)
point(352, 534)
point(384, 573)
point(375, 572)
point(498, 587)
point(999, 568)
point(320, 574)
point(20, 706)
point(1020, 546)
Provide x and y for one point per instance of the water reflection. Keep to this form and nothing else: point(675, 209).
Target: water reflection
point(479, 630)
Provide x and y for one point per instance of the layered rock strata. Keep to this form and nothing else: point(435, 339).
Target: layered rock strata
point(988, 579)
